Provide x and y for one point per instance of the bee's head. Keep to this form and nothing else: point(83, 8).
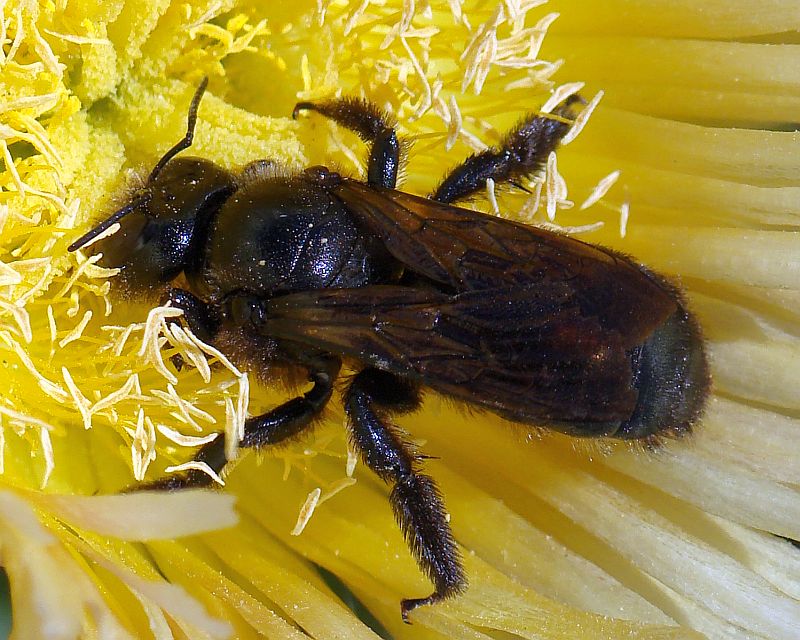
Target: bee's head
point(165, 219)
point(161, 222)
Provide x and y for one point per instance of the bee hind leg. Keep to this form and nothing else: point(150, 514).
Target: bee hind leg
point(522, 152)
point(373, 126)
point(415, 499)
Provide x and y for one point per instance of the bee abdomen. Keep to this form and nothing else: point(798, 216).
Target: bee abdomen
point(671, 376)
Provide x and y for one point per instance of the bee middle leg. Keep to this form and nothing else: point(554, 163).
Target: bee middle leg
point(373, 126)
point(522, 152)
point(415, 499)
point(273, 427)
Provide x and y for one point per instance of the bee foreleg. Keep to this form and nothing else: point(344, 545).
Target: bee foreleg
point(415, 499)
point(290, 418)
point(278, 425)
point(202, 318)
point(373, 126)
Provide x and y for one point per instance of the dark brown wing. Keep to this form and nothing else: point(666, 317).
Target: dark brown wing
point(469, 251)
point(525, 352)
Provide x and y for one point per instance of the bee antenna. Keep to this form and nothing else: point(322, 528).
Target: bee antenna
point(186, 141)
point(115, 217)
point(183, 143)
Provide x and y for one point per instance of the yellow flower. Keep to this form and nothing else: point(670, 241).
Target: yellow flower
point(687, 161)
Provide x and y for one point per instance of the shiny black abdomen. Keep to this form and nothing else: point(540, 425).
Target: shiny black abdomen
point(281, 235)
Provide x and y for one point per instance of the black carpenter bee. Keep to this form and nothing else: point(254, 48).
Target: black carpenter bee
point(303, 271)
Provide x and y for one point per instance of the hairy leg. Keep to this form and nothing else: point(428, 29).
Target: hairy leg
point(373, 126)
point(415, 499)
point(522, 152)
point(273, 427)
